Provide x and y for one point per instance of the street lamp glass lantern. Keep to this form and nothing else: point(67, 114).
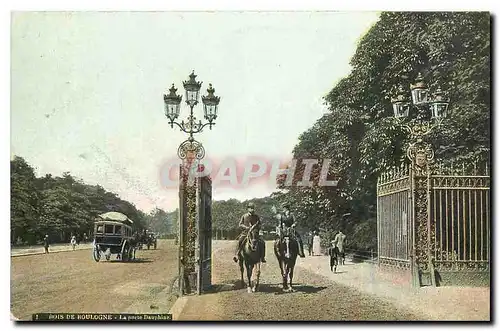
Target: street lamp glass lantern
point(401, 109)
point(439, 105)
point(210, 104)
point(172, 103)
point(192, 88)
point(400, 105)
point(419, 91)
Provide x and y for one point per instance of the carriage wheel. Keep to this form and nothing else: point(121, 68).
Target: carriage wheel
point(96, 254)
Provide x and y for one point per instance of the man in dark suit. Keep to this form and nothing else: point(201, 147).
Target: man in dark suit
point(247, 220)
point(46, 243)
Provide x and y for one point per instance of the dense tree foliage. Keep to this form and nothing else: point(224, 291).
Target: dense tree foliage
point(358, 134)
point(452, 50)
point(60, 206)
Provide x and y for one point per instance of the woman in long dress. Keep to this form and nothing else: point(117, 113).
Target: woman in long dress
point(73, 242)
point(316, 244)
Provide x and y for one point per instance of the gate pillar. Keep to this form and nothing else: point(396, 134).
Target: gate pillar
point(204, 233)
point(421, 156)
point(195, 222)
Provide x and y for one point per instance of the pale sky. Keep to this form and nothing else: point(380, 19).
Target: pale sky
point(87, 89)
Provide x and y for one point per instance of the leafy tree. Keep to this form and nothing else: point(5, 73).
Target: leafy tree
point(59, 206)
point(24, 201)
point(452, 50)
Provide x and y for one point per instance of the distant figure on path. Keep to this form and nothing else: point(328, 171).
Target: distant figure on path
point(73, 242)
point(340, 243)
point(316, 244)
point(46, 243)
point(310, 243)
point(333, 252)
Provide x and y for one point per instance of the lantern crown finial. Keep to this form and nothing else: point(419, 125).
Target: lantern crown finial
point(210, 90)
point(440, 96)
point(192, 81)
point(172, 96)
point(419, 82)
point(400, 95)
point(172, 91)
point(210, 98)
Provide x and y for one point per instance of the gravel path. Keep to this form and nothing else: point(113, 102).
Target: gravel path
point(316, 298)
point(73, 282)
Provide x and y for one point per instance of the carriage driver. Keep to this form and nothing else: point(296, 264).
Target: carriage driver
point(246, 221)
point(287, 219)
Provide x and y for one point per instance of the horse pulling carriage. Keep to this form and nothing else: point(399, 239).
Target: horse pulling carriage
point(151, 240)
point(113, 235)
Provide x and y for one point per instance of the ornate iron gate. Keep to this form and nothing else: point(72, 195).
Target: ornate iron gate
point(204, 227)
point(460, 210)
point(437, 226)
point(394, 226)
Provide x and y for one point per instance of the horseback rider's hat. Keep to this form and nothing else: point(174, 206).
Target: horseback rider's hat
point(286, 205)
point(251, 205)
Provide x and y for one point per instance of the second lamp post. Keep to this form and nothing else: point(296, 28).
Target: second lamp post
point(430, 109)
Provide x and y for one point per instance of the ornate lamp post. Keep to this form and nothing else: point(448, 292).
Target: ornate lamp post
point(188, 151)
point(191, 148)
point(428, 111)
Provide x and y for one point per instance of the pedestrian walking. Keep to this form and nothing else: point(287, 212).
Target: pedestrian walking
point(310, 243)
point(46, 243)
point(340, 241)
point(316, 244)
point(73, 242)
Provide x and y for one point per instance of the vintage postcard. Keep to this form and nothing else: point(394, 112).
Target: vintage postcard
point(250, 166)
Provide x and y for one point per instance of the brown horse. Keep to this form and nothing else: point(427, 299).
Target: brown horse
point(286, 249)
point(250, 256)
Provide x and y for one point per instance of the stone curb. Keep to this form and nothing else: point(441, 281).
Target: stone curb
point(178, 307)
point(51, 252)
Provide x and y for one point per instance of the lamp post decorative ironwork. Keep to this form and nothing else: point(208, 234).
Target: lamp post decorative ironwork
point(191, 148)
point(429, 112)
point(190, 151)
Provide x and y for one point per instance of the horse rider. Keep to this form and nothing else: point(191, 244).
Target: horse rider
point(288, 219)
point(247, 220)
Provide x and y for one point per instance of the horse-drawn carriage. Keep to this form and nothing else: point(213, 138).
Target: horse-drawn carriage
point(113, 235)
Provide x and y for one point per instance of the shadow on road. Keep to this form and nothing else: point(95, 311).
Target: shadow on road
point(270, 288)
point(308, 288)
point(131, 261)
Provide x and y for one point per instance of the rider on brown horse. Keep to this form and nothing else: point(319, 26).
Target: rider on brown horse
point(246, 221)
point(288, 219)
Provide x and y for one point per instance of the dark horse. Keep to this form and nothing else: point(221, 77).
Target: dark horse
point(250, 256)
point(135, 242)
point(286, 249)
